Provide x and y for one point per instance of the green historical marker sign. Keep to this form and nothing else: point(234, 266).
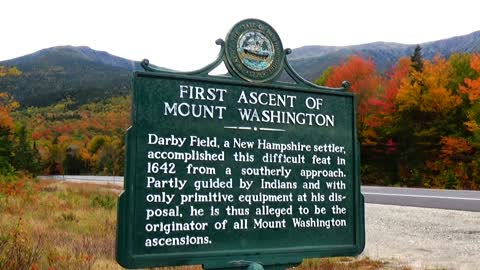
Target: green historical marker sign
point(225, 171)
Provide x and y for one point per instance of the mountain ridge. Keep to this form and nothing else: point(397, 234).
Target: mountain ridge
point(84, 74)
point(53, 74)
point(82, 51)
point(310, 61)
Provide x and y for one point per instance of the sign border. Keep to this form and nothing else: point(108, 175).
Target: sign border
point(225, 258)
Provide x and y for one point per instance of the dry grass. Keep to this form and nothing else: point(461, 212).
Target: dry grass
point(62, 225)
point(341, 263)
point(55, 225)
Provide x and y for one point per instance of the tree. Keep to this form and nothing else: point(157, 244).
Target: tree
point(11, 71)
point(374, 106)
point(451, 182)
point(385, 102)
point(472, 85)
point(25, 156)
point(471, 90)
point(460, 70)
point(324, 76)
point(380, 155)
point(107, 154)
point(417, 59)
point(7, 105)
point(55, 158)
point(62, 133)
point(427, 111)
point(6, 148)
point(73, 162)
point(366, 83)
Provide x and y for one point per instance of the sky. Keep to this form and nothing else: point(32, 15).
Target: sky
point(180, 34)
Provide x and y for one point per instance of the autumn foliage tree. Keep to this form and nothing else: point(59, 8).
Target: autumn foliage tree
point(375, 95)
point(365, 82)
point(426, 113)
point(86, 139)
point(419, 122)
point(17, 153)
point(7, 105)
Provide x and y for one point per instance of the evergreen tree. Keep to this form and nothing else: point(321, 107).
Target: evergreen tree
point(55, 160)
point(24, 156)
point(417, 59)
point(451, 181)
point(6, 147)
point(73, 163)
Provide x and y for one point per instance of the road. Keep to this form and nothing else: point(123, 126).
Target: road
point(428, 198)
point(116, 180)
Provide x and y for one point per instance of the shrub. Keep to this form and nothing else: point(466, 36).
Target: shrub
point(106, 201)
point(19, 249)
point(69, 217)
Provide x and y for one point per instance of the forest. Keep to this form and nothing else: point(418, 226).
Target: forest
point(418, 125)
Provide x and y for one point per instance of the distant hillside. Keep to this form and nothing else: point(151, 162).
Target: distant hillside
point(310, 61)
point(81, 73)
point(84, 74)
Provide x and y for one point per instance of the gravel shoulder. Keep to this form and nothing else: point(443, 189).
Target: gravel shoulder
point(423, 238)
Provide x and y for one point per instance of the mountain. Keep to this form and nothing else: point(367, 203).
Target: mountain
point(81, 73)
point(311, 61)
point(84, 74)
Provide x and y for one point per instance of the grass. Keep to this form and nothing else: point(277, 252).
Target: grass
point(55, 225)
point(341, 263)
point(61, 225)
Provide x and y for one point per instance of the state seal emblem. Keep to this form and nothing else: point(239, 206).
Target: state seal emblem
point(254, 51)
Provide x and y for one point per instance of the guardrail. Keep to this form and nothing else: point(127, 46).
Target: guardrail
point(117, 180)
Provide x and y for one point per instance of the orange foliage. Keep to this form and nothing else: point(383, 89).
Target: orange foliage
point(472, 87)
point(427, 91)
point(440, 100)
point(436, 78)
point(472, 126)
point(36, 136)
point(453, 147)
point(7, 104)
point(6, 120)
point(363, 78)
point(56, 128)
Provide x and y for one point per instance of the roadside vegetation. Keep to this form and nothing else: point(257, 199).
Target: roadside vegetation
point(54, 225)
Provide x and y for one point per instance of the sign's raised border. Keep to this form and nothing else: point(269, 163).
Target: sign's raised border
point(269, 258)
